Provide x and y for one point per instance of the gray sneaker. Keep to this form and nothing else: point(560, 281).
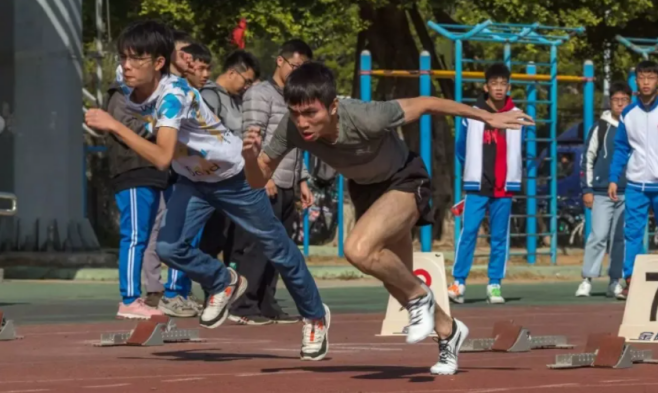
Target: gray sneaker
point(177, 307)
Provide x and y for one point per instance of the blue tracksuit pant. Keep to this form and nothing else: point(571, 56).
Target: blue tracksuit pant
point(475, 208)
point(635, 222)
point(138, 208)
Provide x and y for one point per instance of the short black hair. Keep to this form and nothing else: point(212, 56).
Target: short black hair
point(620, 87)
point(311, 81)
point(242, 61)
point(182, 36)
point(147, 38)
point(289, 48)
point(498, 70)
point(199, 52)
point(647, 66)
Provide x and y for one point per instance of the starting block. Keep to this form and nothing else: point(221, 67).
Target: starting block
point(7, 329)
point(156, 331)
point(604, 351)
point(430, 268)
point(508, 337)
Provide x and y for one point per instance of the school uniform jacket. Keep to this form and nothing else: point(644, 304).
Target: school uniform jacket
point(636, 147)
point(492, 159)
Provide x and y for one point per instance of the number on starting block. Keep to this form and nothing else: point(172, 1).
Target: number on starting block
point(430, 268)
point(640, 320)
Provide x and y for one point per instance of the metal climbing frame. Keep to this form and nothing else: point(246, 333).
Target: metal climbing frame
point(643, 47)
point(533, 34)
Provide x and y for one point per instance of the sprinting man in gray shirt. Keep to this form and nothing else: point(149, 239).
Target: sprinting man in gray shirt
point(389, 185)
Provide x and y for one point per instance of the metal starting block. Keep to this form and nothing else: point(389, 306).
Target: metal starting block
point(7, 329)
point(604, 351)
point(508, 337)
point(156, 331)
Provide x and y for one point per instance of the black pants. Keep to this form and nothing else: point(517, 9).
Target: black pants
point(258, 270)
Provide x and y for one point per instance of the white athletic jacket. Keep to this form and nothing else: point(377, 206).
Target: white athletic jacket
point(636, 147)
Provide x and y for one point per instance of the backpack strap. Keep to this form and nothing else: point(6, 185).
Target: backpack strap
point(602, 128)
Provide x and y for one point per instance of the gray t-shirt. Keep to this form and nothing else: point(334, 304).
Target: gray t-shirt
point(368, 149)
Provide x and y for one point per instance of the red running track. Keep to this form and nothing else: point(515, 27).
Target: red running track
point(61, 358)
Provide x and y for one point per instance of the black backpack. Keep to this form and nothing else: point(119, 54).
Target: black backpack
point(321, 172)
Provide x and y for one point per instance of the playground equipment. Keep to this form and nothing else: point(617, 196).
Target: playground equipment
point(506, 34)
point(534, 34)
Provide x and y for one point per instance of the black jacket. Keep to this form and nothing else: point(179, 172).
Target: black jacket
point(127, 168)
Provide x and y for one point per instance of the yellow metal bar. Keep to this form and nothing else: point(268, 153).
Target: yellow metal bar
point(441, 74)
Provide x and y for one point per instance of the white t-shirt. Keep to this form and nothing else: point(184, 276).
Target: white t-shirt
point(206, 151)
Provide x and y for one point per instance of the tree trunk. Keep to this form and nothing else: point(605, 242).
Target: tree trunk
point(392, 46)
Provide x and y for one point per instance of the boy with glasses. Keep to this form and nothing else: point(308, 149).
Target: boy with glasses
point(607, 215)
point(208, 160)
point(493, 165)
point(636, 144)
point(264, 107)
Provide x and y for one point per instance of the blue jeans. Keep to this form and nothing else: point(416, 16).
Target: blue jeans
point(475, 207)
point(192, 204)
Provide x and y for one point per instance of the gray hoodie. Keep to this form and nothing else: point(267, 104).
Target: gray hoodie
point(263, 106)
point(224, 105)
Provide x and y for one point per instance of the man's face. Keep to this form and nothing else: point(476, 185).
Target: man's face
point(313, 120)
point(618, 102)
point(239, 81)
point(200, 74)
point(182, 62)
point(286, 66)
point(139, 70)
point(497, 88)
point(647, 83)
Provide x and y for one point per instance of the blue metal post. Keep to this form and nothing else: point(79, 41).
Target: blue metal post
point(307, 162)
point(507, 56)
point(531, 165)
point(588, 122)
point(426, 138)
point(366, 90)
point(553, 137)
point(458, 130)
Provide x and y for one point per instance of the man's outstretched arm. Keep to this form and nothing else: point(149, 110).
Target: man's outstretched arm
point(414, 108)
point(160, 153)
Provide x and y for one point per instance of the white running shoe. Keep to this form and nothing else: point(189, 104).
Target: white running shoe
point(216, 310)
point(315, 337)
point(585, 288)
point(494, 295)
point(614, 289)
point(449, 350)
point(456, 292)
point(421, 317)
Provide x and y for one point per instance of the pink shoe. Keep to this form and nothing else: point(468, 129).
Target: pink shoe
point(137, 310)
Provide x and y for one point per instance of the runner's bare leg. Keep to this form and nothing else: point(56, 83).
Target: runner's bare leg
point(403, 248)
point(391, 216)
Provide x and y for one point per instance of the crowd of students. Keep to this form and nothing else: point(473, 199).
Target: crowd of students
point(217, 171)
point(619, 179)
point(240, 101)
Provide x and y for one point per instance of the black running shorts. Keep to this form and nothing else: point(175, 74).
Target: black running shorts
point(412, 178)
